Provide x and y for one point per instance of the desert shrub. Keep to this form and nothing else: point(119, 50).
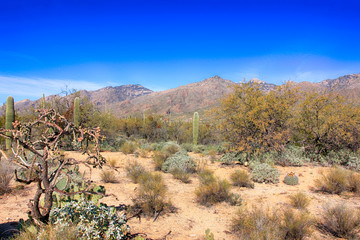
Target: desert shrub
point(199, 148)
point(353, 162)
point(170, 148)
point(187, 147)
point(335, 181)
point(212, 155)
point(291, 179)
point(299, 200)
point(265, 173)
point(108, 176)
point(341, 221)
point(213, 192)
point(144, 153)
point(296, 224)
point(6, 174)
point(181, 175)
point(241, 178)
point(181, 161)
point(257, 223)
point(354, 182)
point(134, 171)
point(206, 176)
point(234, 199)
point(229, 158)
point(49, 232)
point(292, 156)
point(151, 195)
point(92, 221)
point(128, 147)
point(159, 159)
point(157, 146)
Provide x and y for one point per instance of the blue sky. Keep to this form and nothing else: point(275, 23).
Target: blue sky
point(46, 46)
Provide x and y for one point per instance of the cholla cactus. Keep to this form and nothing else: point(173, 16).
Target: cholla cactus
point(291, 179)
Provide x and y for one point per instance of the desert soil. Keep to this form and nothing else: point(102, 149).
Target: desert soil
point(191, 219)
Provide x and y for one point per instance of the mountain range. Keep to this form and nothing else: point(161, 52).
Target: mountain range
point(198, 96)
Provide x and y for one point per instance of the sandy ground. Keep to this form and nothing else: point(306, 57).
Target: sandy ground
point(191, 219)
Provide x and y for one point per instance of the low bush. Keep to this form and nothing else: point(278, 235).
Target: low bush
point(213, 192)
point(257, 223)
point(187, 147)
point(49, 232)
point(296, 224)
point(292, 156)
point(159, 159)
point(354, 182)
point(299, 200)
point(91, 220)
point(181, 175)
point(199, 148)
point(170, 148)
point(206, 176)
point(151, 195)
point(134, 171)
point(128, 148)
point(241, 178)
point(341, 221)
point(108, 176)
point(231, 158)
point(334, 181)
point(180, 161)
point(6, 174)
point(263, 172)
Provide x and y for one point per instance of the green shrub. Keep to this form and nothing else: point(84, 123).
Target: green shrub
point(151, 195)
point(296, 224)
point(181, 175)
point(206, 177)
point(291, 179)
point(170, 148)
point(128, 148)
point(341, 221)
point(187, 147)
point(199, 148)
point(292, 156)
point(92, 221)
point(335, 181)
point(134, 171)
point(234, 199)
point(159, 159)
point(265, 173)
point(299, 200)
point(256, 223)
point(213, 192)
point(229, 158)
point(108, 176)
point(181, 161)
point(241, 178)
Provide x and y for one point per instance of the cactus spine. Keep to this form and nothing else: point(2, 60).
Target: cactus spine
point(195, 128)
point(10, 118)
point(77, 111)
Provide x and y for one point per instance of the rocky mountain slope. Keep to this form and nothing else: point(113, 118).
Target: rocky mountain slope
point(198, 96)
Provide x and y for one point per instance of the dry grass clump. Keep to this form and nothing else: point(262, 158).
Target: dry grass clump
point(337, 180)
point(241, 178)
point(341, 221)
point(49, 232)
point(128, 148)
point(181, 175)
point(134, 171)
point(257, 223)
point(261, 223)
point(112, 162)
point(212, 190)
point(299, 200)
point(6, 174)
point(108, 176)
point(151, 197)
point(159, 158)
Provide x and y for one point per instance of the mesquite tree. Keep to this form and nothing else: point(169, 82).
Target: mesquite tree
point(35, 151)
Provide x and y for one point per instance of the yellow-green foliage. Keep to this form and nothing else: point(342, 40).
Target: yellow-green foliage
point(135, 171)
point(241, 178)
point(299, 200)
point(108, 176)
point(151, 196)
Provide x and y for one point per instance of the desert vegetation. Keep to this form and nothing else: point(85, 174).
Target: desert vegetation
point(266, 162)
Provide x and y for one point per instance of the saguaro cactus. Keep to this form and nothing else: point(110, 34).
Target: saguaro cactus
point(195, 128)
point(77, 111)
point(10, 118)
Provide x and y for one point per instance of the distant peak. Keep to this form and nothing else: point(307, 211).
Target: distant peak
point(256, 80)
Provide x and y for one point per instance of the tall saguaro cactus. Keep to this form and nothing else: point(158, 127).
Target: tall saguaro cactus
point(77, 111)
point(10, 118)
point(195, 128)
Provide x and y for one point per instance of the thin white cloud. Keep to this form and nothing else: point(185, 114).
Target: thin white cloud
point(22, 87)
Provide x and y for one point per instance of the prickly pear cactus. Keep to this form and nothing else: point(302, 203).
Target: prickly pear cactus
point(291, 179)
